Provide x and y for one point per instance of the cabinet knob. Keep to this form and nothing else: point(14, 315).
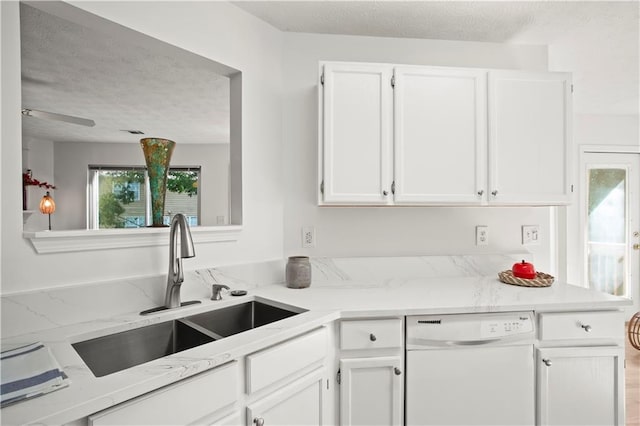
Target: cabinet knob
point(372, 337)
point(259, 421)
point(494, 192)
point(547, 362)
point(385, 192)
point(481, 192)
point(397, 371)
point(586, 327)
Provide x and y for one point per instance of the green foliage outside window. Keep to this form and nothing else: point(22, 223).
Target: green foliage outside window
point(183, 182)
point(110, 211)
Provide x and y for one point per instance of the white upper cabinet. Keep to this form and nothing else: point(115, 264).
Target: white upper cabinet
point(413, 135)
point(356, 134)
point(440, 133)
point(529, 137)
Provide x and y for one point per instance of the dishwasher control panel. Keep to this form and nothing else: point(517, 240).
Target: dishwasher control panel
point(469, 329)
point(501, 327)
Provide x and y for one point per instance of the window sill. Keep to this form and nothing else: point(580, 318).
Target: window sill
point(106, 239)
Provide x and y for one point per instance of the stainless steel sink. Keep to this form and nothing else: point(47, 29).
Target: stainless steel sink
point(119, 351)
point(235, 319)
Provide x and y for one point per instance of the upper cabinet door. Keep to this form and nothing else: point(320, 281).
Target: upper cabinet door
point(356, 134)
point(529, 137)
point(440, 135)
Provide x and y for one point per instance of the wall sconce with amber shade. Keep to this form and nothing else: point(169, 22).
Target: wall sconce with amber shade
point(47, 206)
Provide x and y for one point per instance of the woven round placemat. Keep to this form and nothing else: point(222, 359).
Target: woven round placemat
point(541, 279)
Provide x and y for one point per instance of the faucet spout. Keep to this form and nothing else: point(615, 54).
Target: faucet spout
point(175, 277)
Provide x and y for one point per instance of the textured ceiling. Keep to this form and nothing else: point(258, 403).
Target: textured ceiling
point(596, 40)
point(487, 21)
point(120, 84)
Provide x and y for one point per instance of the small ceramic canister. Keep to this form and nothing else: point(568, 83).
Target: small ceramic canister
point(298, 272)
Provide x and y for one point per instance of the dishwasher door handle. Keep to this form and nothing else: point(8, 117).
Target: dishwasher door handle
point(471, 342)
point(450, 343)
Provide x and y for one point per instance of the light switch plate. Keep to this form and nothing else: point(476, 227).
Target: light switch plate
point(530, 235)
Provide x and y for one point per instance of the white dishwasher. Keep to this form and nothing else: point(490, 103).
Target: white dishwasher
point(470, 369)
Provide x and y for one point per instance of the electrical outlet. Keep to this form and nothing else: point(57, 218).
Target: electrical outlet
point(482, 235)
point(308, 237)
point(530, 235)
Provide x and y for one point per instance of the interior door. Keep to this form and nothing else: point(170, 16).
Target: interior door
point(610, 204)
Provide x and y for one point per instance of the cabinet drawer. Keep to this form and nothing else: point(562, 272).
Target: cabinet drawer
point(180, 403)
point(581, 325)
point(371, 334)
point(278, 362)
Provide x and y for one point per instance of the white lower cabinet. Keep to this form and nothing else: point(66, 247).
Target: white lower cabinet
point(299, 403)
point(371, 391)
point(286, 384)
point(581, 386)
point(579, 363)
point(371, 373)
point(580, 368)
point(183, 403)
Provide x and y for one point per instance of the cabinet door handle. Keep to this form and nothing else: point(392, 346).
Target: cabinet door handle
point(481, 192)
point(385, 192)
point(547, 362)
point(397, 371)
point(372, 337)
point(586, 327)
point(494, 192)
point(259, 421)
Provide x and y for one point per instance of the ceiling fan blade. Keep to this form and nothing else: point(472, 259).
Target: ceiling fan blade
point(58, 117)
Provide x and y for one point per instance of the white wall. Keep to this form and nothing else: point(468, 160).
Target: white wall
point(363, 231)
point(605, 63)
point(216, 30)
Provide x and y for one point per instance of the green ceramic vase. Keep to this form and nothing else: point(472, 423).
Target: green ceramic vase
point(157, 155)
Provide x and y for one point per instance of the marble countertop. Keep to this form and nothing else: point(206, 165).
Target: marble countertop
point(345, 288)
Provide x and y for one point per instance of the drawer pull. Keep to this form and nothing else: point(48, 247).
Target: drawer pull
point(586, 327)
point(259, 421)
point(372, 337)
point(397, 371)
point(547, 362)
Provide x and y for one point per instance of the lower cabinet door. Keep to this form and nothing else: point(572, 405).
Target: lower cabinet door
point(371, 391)
point(233, 419)
point(300, 403)
point(581, 386)
point(182, 403)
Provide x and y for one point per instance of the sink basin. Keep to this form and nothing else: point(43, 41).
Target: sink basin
point(235, 319)
point(119, 351)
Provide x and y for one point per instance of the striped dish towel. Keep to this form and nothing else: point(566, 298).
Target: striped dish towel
point(29, 371)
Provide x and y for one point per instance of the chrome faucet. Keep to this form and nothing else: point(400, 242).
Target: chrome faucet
point(176, 276)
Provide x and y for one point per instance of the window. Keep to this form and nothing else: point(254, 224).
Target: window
point(128, 190)
point(118, 196)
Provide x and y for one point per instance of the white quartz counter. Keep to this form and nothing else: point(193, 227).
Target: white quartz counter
point(349, 289)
